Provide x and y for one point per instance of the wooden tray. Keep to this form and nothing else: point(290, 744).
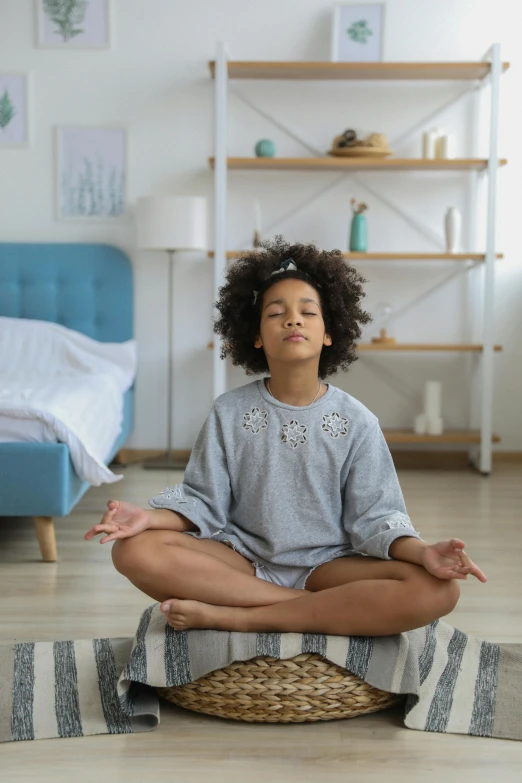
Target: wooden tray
point(360, 152)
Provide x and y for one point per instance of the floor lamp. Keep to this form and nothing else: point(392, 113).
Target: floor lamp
point(171, 223)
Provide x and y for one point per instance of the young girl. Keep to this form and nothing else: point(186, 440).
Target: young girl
point(290, 516)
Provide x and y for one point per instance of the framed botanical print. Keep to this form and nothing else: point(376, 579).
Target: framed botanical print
point(73, 24)
point(91, 172)
point(357, 32)
point(14, 109)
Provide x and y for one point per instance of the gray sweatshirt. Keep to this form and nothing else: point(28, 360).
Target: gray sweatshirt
point(290, 485)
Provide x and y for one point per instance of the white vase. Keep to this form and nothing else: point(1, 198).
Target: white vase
point(452, 229)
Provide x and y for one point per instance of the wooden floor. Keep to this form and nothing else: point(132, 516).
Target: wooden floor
point(82, 596)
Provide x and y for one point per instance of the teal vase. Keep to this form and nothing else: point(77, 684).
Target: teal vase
point(265, 148)
point(359, 234)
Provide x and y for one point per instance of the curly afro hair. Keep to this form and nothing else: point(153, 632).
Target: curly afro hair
point(339, 287)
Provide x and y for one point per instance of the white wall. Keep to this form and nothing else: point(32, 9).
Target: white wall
point(155, 80)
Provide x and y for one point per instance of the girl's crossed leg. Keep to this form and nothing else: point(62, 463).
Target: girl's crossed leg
point(215, 587)
point(164, 563)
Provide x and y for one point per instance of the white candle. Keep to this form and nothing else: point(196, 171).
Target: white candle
point(419, 424)
point(258, 215)
point(435, 426)
point(447, 145)
point(438, 144)
point(429, 141)
point(432, 400)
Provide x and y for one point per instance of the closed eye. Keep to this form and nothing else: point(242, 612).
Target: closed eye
point(274, 314)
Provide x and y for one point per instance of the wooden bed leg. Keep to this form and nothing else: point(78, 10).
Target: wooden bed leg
point(46, 538)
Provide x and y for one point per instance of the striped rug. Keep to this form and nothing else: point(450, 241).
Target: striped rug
point(453, 682)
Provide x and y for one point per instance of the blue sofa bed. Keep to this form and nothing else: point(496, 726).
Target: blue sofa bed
point(86, 287)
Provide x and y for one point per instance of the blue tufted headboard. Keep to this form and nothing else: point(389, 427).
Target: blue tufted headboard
point(82, 286)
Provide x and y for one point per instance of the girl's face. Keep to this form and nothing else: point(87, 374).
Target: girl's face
point(291, 306)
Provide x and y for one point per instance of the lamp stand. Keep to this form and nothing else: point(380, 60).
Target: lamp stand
point(167, 462)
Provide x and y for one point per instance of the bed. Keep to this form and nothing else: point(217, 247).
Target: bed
point(84, 287)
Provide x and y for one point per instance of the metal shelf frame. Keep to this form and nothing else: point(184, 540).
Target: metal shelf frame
point(492, 67)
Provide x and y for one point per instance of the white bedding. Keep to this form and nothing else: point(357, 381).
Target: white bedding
point(62, 385)
point(25, 430)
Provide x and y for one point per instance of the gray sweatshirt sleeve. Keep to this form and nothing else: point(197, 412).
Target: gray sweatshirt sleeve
point(374, 513)
point(205, 494)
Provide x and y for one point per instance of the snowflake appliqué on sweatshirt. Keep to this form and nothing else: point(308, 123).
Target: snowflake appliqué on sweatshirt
point(398, 519)
point(174, 493)
point(335, 425)
point(255, 421)
point(294, 433)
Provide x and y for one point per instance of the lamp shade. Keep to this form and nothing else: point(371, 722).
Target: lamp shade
point(172, 222)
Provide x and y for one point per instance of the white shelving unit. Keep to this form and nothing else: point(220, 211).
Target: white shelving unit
point(485, 72)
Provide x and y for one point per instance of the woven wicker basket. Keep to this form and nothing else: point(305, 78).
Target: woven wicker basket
point(269, 690)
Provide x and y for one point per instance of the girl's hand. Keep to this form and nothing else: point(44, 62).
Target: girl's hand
point(447, 560)
point(121, 520)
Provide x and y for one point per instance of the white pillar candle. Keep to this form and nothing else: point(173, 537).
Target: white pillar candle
point(432, 392)
point(446, 146)
point(435, 426)
point(429, 140)
point(438, 144)
point(419, 424)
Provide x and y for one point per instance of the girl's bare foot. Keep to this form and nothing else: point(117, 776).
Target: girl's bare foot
point(183, 614)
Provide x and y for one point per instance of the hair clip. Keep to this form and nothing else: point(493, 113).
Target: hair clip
point(285, 266)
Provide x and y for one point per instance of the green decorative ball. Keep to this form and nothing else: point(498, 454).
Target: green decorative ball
point(265, 148)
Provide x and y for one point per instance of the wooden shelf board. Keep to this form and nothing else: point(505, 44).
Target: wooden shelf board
point(386, 256)
point(357, 71)
point(410, 347)
point(423, 347)
point(418, 256)
point(327, 163)
point(450, 436)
